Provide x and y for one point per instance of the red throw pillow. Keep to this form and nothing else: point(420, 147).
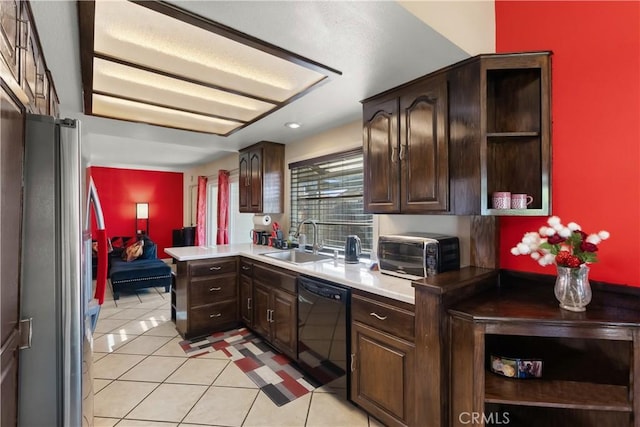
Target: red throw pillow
point(133, 251)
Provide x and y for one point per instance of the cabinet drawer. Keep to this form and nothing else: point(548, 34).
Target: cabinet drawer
point(385, 317)
point(207, 318)
point(210, 267)
point(275, 278)
point(246, 268)
point(214, 289)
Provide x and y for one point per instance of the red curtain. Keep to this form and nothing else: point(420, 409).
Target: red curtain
point(201, 212)
point(223, 208)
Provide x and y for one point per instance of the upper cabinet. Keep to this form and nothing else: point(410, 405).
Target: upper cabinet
point(23, 66)
point(444, 143)
point(405, 149)
point(261, 178)
point(500, 132)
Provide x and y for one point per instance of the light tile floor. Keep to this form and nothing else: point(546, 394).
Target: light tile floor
point(143, 378)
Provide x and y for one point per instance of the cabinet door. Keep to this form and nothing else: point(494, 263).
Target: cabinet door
point(261, 309)
point(284, 327)
point(29, 63)
point(246, 300)
point(381, 162)
point(382, 374)
point(244, 182)
point(255, 180)
point(9, 33)
point(424, 153)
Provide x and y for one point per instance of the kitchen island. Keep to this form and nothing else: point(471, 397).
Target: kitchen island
point(397, 329)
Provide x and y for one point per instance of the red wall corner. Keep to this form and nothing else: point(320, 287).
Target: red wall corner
point(596, 124)
point(119, 191)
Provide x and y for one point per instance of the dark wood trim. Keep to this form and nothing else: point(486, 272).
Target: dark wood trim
point(233, 34)
point(181, 78)
point(169, 107)
point(326, 157)
point(485, 241)
point(86, 20)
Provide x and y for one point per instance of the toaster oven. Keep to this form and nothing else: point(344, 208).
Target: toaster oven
point(416, 255)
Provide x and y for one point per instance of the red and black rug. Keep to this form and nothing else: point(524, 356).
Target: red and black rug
point(274, 373)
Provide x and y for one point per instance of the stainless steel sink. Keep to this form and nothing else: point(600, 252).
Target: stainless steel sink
point(297, 257)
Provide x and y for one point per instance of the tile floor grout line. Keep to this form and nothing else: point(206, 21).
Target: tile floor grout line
point(244, 420)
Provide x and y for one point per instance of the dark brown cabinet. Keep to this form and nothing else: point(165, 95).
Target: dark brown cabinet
point(444, 143)
point(206, 296)
point(246, 292)
point(383, 358)
point(261, 178)
point(406, 149)
point(10, 35)
point(275, 313)
point(589, 367)
point(500, 131)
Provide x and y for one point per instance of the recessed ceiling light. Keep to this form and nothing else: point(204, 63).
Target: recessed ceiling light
point(292, 125)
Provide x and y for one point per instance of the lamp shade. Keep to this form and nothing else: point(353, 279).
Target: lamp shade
point(142, 210)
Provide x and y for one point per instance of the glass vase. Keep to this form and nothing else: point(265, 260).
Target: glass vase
point(572, 288)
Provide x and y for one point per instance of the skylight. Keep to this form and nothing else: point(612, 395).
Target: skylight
point(152, 62)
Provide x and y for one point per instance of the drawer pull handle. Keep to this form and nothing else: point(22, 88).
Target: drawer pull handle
point(248, 303)
point(214, 289)
point(215, 267)
point(377, 316)
point(215, 315)
point(353, 362)
point(244, 267)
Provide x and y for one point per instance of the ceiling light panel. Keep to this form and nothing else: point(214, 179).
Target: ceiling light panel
point(136, 111)
point(139, 35)
point(122, 81)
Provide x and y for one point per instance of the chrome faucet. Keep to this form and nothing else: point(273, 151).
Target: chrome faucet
point(316, 246)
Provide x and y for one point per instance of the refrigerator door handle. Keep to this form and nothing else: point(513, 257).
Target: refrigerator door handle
point(26, 333)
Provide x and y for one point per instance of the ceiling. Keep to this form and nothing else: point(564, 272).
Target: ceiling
point(376, 45)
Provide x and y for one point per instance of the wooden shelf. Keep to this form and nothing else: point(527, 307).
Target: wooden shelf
point(516, 212)
point(556, 394)
point(512, 134)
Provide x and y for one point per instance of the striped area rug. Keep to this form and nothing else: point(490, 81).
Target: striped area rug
point(272, 372)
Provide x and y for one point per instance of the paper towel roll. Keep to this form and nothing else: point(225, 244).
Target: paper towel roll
point(261, 220)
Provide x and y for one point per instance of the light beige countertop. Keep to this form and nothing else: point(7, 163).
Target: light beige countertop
point(356, 276)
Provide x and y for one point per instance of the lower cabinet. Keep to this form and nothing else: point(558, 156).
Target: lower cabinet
point(246, 292)
point(206, 296)
point(275, 308)
point(382, 359)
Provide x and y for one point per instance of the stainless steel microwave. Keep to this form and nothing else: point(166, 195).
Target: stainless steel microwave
point(416, 255)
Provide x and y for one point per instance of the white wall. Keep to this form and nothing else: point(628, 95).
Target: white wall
point(471, 25)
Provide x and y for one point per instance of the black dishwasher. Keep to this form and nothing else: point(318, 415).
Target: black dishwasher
point(323, 331)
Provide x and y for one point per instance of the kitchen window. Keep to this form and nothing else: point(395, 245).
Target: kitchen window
point(330, 189)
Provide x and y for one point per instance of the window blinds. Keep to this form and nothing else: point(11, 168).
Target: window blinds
point(330, 189)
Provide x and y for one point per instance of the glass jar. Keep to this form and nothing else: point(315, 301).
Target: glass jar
point(572, 288)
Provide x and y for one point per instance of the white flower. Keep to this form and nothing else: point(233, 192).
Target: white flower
point(558, 227)
point(527, 240)
point(565, 232)
point(542, 262)
point(515, 251)
point(573, 226)
point(604, 235)
point(543, 230)
point(549, 258)
point(554, 220)
point(550, 232)
point(523, 249)
point(593, 238)
point(535, 255)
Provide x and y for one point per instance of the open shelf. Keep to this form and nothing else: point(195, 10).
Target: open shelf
point(556, 394)
point(506, 135)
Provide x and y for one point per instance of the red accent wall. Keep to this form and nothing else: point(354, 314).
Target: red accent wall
point(119, 191)
point(596, 124)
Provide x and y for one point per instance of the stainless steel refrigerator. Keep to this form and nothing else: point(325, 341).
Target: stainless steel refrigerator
point(55, 384)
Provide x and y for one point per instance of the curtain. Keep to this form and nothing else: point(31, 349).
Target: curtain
point(223, 208)
point(201, 212)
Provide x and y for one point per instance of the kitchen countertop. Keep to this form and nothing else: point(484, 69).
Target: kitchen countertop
point(356, 276)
